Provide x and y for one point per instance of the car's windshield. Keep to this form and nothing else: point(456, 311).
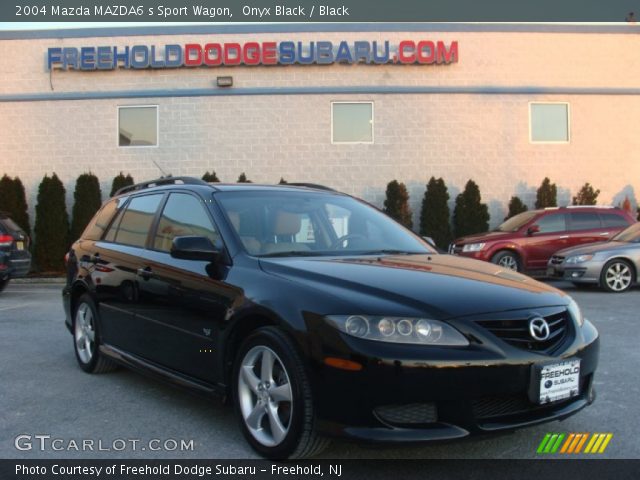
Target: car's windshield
point(630, 234)
point(298, 223)
point(515, 223)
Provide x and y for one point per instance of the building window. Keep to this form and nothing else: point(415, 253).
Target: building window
point(351, 122)
point(549, 122)
point(138, 126)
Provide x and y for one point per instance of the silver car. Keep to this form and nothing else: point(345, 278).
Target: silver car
point(613, 265)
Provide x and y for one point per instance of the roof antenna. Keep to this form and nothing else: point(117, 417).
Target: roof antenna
point(164, 174)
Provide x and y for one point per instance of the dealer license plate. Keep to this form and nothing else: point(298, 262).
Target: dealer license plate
point(20, 245)
point(559, 381)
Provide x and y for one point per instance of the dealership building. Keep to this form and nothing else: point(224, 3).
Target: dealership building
point(350, 106)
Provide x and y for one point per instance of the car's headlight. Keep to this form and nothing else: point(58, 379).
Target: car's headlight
point(472, 247)
point(421, 331)
point(574, 311)
point(579, 259)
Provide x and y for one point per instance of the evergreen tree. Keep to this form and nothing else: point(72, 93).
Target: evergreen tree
point(396, 204)
point(87, 200)
point(470, 214)
point(13, 201)
point(52, 225)
point(586, 196)
point(434, 215)
point(516, 206)
point(210, 177)
point(243, 179)
point(120, 181)
point(547, 194)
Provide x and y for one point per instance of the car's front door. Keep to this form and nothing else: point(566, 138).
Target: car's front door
point(183, 302)
point(546, 235)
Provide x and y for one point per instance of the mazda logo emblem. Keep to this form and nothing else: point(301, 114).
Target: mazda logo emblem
point(539, 329)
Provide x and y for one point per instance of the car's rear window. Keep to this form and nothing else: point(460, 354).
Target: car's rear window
point(10, 225)
point(102, 219)
point(614, 220)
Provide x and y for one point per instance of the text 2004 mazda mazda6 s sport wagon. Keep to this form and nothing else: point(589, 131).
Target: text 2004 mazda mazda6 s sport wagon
point(319, 316)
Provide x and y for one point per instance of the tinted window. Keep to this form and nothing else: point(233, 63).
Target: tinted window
point(101, 221)
point(552, 223)
point(136, 221)
point(585, 221)
point(183, 215)
point(613, 220)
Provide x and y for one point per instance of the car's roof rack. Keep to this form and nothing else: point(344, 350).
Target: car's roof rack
point(309, 185)
point(161, 181)
point(591, 206)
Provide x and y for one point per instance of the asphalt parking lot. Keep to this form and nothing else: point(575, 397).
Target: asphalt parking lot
point(44, 392)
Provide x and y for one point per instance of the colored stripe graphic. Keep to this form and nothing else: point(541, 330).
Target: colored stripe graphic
point(573, 443)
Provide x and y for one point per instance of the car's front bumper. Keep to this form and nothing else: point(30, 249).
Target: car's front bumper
point(443, 397)
point(586, 272)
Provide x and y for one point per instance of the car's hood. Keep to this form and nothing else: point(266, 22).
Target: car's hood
point(443, 286)
point(593, 248)
point(483, 237)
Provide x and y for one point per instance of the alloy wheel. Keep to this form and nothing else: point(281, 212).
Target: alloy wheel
point(508, 261)
point(618, 276)
point(84, 333)
point(265, 396)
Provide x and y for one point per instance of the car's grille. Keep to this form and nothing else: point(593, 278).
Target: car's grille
point(501, 406)
point(557, 259)
point(410, 414)
point(516, 332)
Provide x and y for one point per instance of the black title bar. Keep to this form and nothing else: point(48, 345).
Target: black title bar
point(317, 11)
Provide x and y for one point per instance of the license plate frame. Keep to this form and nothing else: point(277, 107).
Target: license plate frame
point(553, 382)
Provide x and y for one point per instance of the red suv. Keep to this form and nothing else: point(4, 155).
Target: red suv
point(527, 241)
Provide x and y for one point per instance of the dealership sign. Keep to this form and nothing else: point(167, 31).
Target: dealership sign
point(407, 52)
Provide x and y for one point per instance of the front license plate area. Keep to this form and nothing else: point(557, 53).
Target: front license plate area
point(556, 381)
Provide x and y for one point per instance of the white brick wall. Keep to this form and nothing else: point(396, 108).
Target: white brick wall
point(483, 137)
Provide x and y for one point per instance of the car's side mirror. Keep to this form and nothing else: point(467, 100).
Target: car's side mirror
point(430, 241)
point(194, 248)
point(533, 229)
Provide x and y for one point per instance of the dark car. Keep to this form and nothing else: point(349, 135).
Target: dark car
point(319, 316)
point(15, 259)
point(527, 241)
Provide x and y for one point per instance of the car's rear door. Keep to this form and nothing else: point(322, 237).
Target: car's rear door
point(585, 227)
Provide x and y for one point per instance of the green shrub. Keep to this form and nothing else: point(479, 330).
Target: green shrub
point(282, 181)
point(210, 177)
point(87, 200)
point(547, 194)
point(13, 201)
point(587, 195)
point(52, 226)
point(120, 181)
point(516, 206)
point(243, 179)
point(396, 204)
point(470, 214)
point(434, 214)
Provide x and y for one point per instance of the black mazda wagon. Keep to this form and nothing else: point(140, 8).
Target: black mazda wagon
point(319, 316)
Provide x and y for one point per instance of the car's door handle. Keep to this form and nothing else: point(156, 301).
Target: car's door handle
point(604, 234)
point(564, 236)
point(145, 273)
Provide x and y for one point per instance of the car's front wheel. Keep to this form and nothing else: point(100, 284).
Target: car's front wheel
point(617, 276)
point(86, 338)
point(507, 259)
point(272, 397)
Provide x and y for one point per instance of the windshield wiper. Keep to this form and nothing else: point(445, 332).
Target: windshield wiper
point(292, 253)
point(389, 251)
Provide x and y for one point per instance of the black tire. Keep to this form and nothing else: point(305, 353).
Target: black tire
point(611, 268)
point(4, 283)
point(301, 439)
point(90, 360)
point(507, 259)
